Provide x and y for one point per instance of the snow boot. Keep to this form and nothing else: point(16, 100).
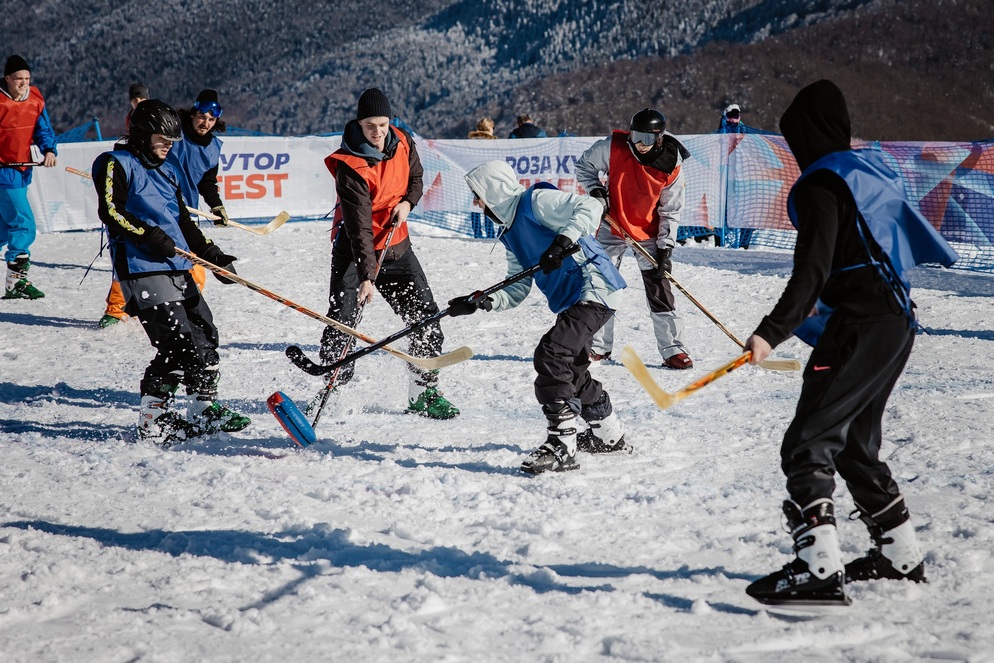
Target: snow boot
point(424, 398)
point(18, 286)
point(558, 452)
point(205, 413)
point(604, 434)
point(157, 422)
point(816, 576)
point(107, 320)
point(896, 554)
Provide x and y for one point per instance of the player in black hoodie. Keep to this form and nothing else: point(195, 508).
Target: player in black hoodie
point(853, 367)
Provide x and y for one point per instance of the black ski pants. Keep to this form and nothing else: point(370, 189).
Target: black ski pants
point(562, 358)
point(837, 425)
point(404, 286)
point(185, 339)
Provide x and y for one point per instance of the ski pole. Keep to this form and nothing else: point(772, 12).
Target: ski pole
point(459, 354)
point(478, 296)
point(664, 399)
point(326, 392)
point(770, 364)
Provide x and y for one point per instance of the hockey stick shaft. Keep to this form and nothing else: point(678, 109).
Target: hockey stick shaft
point(477, 297)
point(347, 348)
point(22, 164)
point(771, 364)
point(460, 354)
point(663, 399)
point(278, 221)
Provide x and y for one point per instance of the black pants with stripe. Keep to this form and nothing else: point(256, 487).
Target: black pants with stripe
point(837, 424)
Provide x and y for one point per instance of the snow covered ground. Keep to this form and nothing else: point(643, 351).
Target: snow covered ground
point(398, 538)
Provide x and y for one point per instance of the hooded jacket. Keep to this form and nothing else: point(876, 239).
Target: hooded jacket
point(834, 255)
point(572, 215)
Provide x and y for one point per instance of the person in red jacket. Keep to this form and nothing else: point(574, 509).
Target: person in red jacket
point(378, 179)
point(23, 121)
point(644, 195)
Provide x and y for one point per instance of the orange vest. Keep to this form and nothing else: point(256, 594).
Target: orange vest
point(387, 181)
point(17, 126)
point(634, 189)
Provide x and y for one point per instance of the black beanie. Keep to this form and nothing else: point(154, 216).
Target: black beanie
point(207, 96)
point(138, 91)
point(373, 103)
point(15, 63)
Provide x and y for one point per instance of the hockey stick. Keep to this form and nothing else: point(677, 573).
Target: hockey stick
point(22, 164)
point(769, 364)
point(428, 363)
point(664, 399)
point(296, 355)
point(278, 221)
point(347, 348)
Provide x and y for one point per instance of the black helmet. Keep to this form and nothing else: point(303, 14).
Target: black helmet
point(647, 127)
point(156, 117)
point(152, 117)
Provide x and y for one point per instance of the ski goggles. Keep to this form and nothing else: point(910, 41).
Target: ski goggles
point(208, 108)
point(644, 137)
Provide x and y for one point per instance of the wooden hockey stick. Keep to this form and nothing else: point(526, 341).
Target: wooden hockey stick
point(663, 399)
point(429, 363)
point(769, 364)
point(278, 221)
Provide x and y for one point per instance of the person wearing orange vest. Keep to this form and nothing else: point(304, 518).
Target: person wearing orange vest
point(644, 195)
point(378, 179)
point(23, 121)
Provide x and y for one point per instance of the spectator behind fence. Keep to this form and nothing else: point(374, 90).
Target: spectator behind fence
point(527, 129)
point(484, 130)
point(731, 122)
point(137, 93)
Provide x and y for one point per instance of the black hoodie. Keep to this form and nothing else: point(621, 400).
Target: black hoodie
point(816, 124)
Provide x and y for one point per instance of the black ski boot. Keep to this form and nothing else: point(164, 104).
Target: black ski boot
point(896, 554)
point(815, 577)
point(604, 434)
point(558, 453)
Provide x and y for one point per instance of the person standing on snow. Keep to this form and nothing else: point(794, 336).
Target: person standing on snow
point(23, 121)
point(582, 289)
point(196, 159)
point(644, 195)
point(857, 234)
point(378, 179)
point(140, 202)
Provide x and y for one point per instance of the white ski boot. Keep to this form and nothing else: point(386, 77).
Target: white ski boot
point(558, 453)
point(816, 576)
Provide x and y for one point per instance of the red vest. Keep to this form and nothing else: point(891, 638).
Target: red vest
point(387, 181)
point(634, 189)
point(17, 125)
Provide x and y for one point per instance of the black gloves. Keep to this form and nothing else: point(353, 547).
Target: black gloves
point(221, 212)
point(552, 259)
point(664, 262)
point(468, 304)
point(158, 242)
point(218, 257)
point(601, 195)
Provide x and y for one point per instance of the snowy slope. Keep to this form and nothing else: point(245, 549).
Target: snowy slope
point(397, 538)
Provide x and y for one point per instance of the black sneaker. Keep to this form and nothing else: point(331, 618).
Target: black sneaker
point(553, 456)
point(875, 566)
point(796, 585)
